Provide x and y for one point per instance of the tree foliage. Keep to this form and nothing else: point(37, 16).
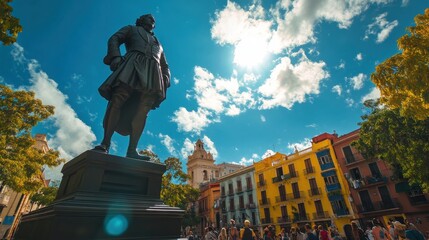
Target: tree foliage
point(9, 24)
point(45, 196)
point(21, 165)
point(403, 78)
point(401, 141)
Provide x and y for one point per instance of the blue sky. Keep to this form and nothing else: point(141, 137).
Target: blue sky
point(248, 77)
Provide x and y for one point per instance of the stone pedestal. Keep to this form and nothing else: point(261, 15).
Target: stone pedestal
point(105, 197)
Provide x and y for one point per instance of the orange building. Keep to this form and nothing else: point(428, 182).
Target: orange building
point(209, 215)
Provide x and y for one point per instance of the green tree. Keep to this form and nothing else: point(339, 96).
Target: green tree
point(46, 195)
point(21, 164)
point(9, 24)
point(401, 141)
point(403, 78)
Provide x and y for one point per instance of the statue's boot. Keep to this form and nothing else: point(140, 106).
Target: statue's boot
point(134, 154)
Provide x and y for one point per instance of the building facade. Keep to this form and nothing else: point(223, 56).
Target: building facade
point(376, 192)
point(238, 198)
point(305, 187)
point(14, 204)
point(207, 209)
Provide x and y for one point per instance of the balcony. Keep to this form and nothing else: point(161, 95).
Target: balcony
point(239, 190)
point(250, 206)
point(264, 202)
point(248, 188)
point(241, 207)
point(281, 198)
point(230, 193)
point(295, 195)
point(231, 208)
point(314, 192)
point(320, 215)
point(290, 175)
point(224, 210)
point(353, 159)
point(419, 199)
point(284, 219)
point(341, 212)
point(333, 187)
point(277, 179)
point(261, 183)
point(327, 166)
point(304, 217)
point(309, 170)
point(267, 220)
point(379, 206)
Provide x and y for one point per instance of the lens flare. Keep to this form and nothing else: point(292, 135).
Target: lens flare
point(115, 225)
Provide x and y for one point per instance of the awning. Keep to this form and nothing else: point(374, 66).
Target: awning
point(402, 187)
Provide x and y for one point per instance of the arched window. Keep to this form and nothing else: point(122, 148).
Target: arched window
point(205, 175)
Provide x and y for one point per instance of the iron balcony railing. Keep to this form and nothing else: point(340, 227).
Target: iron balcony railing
point(239, 190)
point(379, 205)
point(284, 219)
point(321, 215)
point(266, 220)
point(281, 198)
point(295, 195)
point(261, 183)
point(250, 206)
point(264, 202)
point(301, 217)
point(314, 192)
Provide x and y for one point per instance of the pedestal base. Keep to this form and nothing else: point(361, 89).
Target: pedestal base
point(104, 197)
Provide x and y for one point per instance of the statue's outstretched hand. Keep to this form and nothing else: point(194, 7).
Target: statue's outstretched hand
point(115, 63)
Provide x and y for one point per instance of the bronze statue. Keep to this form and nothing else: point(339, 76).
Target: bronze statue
point(138, 83)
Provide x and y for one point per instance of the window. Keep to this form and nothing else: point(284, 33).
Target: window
point(249, 183)
point(295, 190)
point(254, 218)
point(241, 201)
point(264, 197)
point(205, 176)
point(366, 201)
point(231, 204)
point(279, 171)
point(308, 166)
point(282, 193)
point(355, 173)
point(301, 211)
point(324, 159)
point(331, 180)
point(250, 198)
point(267, 215)
point(375, 172)
point(319, 207)
point(348, 154)
point(292, 171)
point(239, 188)
point(314, 190)
point(283, 210)
point(222, 191)
point(230, 189)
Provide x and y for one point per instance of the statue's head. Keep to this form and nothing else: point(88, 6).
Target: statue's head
point(146, 21)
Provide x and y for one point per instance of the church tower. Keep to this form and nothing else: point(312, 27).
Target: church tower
point(201, 166)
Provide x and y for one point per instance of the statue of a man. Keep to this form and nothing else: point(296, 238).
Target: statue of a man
point(138, 83)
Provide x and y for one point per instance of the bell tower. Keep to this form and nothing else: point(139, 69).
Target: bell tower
point(201, 166)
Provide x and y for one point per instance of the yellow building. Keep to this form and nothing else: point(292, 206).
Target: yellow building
point(304, 187)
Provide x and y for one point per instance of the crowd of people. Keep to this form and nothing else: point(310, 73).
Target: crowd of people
point(375, 230)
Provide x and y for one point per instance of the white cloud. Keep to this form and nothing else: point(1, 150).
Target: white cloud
point(81, 100)
point(263, 119)
point(187, 149)
point(373, 94)
point(306, 143)
point(210, 146)
point(191, 121)
point(405, 3)
point(176, 81)
point(92, 116)
point(342, 65)
point(72, 135)
point(233, 110)
point(150, 147)
point(168, 142)
point(337, 89)
point(381, 28)
point(296, 20)
point(350, 102)
point(313, 125)
point(268, 153)
point(359, 57)
point(289, 84)
point(357, 81)
point(1, 79)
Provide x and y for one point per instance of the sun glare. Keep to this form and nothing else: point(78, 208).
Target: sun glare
point(250, 52)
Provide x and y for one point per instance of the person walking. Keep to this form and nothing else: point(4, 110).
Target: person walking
point(247, 233)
